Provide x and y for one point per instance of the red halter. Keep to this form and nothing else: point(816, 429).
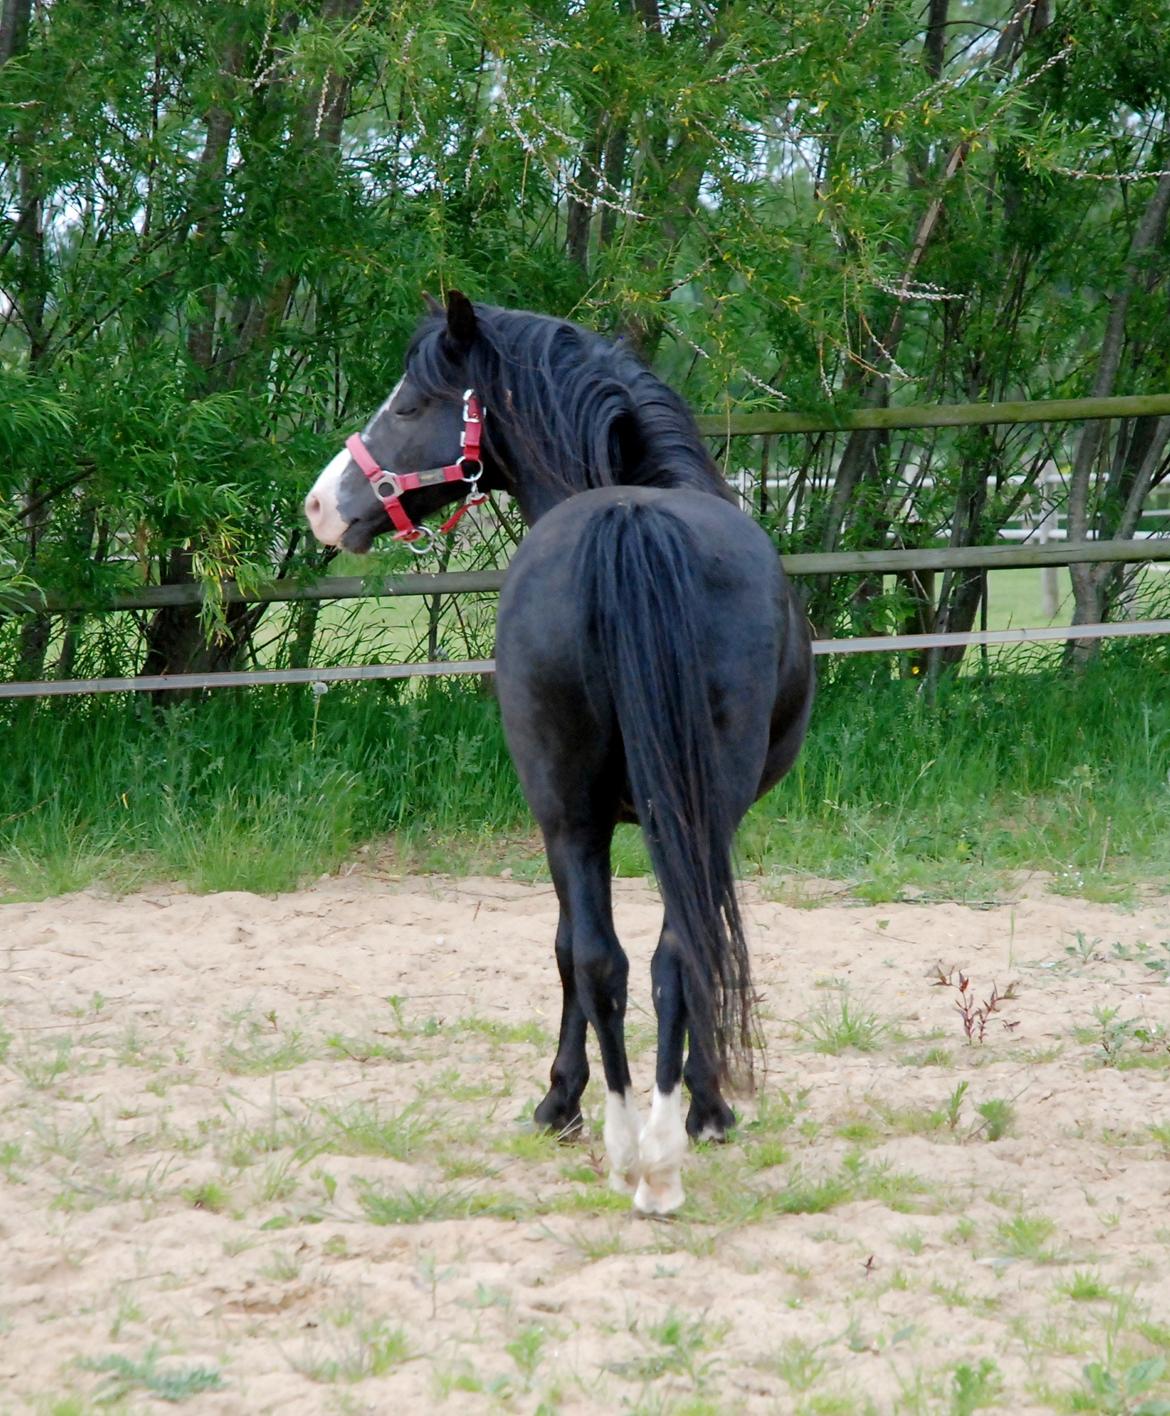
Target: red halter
point(388, 486)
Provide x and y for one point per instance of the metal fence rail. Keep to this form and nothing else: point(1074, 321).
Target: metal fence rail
point(348, 673)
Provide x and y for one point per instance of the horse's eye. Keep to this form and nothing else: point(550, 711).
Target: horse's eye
point(407, 410)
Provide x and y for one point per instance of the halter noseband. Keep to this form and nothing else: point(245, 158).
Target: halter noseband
point(388, 487)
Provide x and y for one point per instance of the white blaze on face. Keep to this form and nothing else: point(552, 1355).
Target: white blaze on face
point(389, 401)
point(321, 505)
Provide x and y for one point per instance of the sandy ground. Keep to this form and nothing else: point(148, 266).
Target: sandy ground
point(270, 1154)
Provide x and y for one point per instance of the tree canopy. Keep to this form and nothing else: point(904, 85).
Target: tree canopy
point(217, 222)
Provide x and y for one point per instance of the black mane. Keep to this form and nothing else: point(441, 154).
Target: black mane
point(567, 407)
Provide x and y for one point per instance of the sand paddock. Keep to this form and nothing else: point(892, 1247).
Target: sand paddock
point(270, 1154)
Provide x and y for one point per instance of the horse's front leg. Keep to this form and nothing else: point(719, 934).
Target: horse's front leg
point(560, 1111)
point(663, 1142)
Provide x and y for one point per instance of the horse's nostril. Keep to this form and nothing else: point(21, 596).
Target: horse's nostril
point(312, 505)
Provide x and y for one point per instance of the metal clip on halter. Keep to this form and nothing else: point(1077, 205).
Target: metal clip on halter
point(470, 437)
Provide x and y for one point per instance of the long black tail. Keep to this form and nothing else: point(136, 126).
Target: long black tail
point(637, 568)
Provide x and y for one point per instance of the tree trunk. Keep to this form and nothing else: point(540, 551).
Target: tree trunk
point(581, 197)
point(614, 171)
point(1088, 581)
point(14, 18)
point(35, 631)
point(177, 639)
point(304, 628)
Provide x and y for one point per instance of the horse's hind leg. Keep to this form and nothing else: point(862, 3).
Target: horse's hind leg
point(560, 1111)
point(663, 1141)
point(580, 870)
point(709, 1117)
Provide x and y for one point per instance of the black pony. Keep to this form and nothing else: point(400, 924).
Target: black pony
point(652, 665)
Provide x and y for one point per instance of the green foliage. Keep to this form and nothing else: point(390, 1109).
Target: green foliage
point(998, 1115)
point(974, 1387)
point(1128, 1392)
point(845, 1026)
point(219, 222)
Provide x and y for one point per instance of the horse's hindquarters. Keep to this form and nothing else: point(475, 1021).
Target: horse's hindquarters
point(638, 652)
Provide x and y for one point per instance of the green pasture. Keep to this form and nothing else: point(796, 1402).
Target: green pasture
point(1016, 598)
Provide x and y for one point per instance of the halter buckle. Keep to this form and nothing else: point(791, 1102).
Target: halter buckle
point(387, 487)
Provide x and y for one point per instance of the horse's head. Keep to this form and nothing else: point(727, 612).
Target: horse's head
point(419, 452)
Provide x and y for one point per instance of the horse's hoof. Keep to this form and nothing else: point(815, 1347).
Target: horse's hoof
point(658, 1197)
point(711, 1123)
point(623, 1182)
point(552, 1116)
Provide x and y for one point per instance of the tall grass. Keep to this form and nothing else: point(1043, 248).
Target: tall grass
point(247, 789)
point(262, 788)
point(1035, 770)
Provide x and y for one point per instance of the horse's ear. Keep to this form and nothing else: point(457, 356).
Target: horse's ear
point(461, 322)
point(433, 306)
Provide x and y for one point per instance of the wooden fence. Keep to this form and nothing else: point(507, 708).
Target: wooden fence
point(875, 562)
point(883, 562)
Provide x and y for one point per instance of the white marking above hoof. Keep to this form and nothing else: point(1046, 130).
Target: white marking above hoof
point(623, 1182)
point(712, 1131)
point(621, 1141)
point(662, 1146)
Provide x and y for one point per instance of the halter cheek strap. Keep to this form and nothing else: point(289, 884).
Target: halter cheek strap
point(389, 487)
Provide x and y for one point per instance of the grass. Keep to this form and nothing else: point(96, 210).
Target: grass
point(1026, 1236)
point(125, 1376)
point(352, 1350)
point(361, 1129)
point(974, 1387)
point(798, 1364)
point(1085, 1286)
point(1126, 1043)
point(257, 1048)
point(842, 1026)
point(261, 789)
point(998, 1116)
point(674, 1346)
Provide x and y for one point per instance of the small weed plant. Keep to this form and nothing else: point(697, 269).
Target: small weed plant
point(125, 1377)
point(975, 1016)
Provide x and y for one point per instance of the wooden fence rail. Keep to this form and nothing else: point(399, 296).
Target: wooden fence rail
point(761, 423)
point(939, 415)
point(356, 587)
point(348, 673)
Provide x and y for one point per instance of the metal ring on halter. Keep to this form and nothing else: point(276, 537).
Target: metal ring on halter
point(419, 545)
point(472, 478)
